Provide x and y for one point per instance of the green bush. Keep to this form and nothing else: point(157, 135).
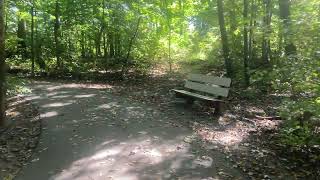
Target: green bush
point(299, 78)
point(297, 136)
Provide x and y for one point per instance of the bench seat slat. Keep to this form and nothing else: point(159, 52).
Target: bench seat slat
point(196, 95)
point(214, 90)
point(220, 81)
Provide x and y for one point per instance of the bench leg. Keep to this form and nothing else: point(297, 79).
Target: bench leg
point(218, 108)
point(189, 101)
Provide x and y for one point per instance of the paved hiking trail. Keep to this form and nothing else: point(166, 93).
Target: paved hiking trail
point(90, 134)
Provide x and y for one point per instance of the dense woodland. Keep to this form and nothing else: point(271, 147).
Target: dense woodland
point(271, 46)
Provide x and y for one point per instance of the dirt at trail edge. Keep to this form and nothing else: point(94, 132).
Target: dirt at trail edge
point(248, 140)
point(19, 139)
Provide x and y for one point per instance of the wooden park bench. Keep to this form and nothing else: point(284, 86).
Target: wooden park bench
point(209, 89)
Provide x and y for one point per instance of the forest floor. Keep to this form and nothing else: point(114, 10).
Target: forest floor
point(248, 132)
point(20, 137)
point(138, 124)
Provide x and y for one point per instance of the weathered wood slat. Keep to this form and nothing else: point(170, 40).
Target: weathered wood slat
point(196, 95)
point(226, 82)
point(214, 90)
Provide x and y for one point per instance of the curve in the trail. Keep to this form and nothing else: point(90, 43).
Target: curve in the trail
point(89, 134)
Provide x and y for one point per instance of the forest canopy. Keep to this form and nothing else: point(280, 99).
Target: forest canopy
point(103, 35)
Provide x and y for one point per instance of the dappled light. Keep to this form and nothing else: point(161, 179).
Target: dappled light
point(87, 86)
point(58, 104)
point(16, 100)
point(60, 93)
point(33, 98)
point(159, 89)
point(12, 114)
point(127, 158)
point(108, 138)
point(49, 114)
point(230, 135)
point(60, 96)
point(229, 138)
point(92, 133)
point(109, 105)
point(85, 96)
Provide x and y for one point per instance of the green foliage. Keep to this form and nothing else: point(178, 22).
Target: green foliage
point(299, 77)
point(300, 129)
point(92, 30)
point(298, 136)
point(293, 109)
point(16, 86)
point(143, 66)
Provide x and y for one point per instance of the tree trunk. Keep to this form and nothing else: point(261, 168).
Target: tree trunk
point(235, 38)
point(2, 66)
point(111, 43)
point(32, 40)
point(21, 34)
point(251, 35)
point(290, 48)
point(105, 51)
point(82, 42)
point(57, 34)
point(224, 39)
point(246, 43)
point(116, 44)
point(168, 12)
point(182, 14)
point(169, 54)
point(266, 32)
point(6, 19)
point(130, 47)
point(38, 48)
point(98, 41)
point(70, 46)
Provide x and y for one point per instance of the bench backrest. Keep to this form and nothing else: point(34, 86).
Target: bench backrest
point(209, 84)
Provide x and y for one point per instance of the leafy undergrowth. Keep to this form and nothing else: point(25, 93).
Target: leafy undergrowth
point(19, 138)
point(248, 132)
point(260, 151)
point(17, 85)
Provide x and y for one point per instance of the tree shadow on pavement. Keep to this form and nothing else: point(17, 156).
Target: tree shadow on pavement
point(91, 134)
